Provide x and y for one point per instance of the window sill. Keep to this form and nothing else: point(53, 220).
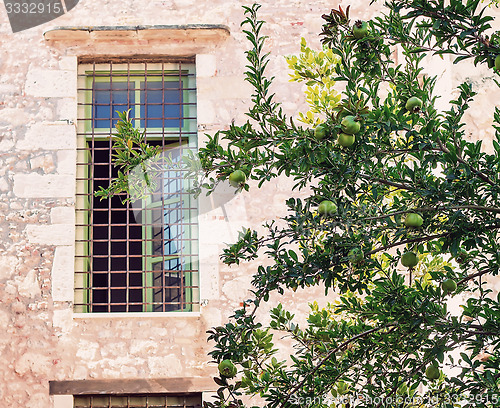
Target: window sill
point(136, 315)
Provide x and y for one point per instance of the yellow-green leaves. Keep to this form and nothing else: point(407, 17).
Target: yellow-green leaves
point(316, 69)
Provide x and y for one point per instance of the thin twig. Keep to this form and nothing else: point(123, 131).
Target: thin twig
point(477, 172)
point(438, 208)
point(330, 353)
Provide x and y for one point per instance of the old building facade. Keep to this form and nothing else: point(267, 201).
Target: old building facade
point(66, 338)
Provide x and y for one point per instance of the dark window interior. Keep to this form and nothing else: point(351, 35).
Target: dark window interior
point(117, 248)
point(117, 245)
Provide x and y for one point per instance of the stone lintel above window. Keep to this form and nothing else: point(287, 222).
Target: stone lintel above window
point(188, 39)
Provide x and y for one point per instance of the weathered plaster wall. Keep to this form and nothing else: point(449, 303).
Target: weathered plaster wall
point(41, 338)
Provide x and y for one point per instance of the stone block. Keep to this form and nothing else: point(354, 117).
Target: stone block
point(63, 320)
point(87, 350)
point(62, 215)
point(206, 112)
point(29, 287)
point(44, 162)
point(212, 316)
point(143, 347)
point(209, 280)
point(4, 185)
point(14, 116)
point(43, 186)
point(8, 266)
point(223, 88)
point(66, 162)
point(62, 401)
point(6, 145)
point(49, 136)
point(209, 270)
point(57, 234)
point(206, 65)
point(68, 63)
point(165, 366)
point(67, 109)
point(237, 289)
point(38, 400)
point(128, 371)
point(9, 89)
point(63, 269)
point(36, 362)
point(50, 83)
point(4, 320)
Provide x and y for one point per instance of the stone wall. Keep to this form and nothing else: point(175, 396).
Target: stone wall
point(42, 338)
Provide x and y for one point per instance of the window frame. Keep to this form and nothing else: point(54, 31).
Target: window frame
point(86, 131)
point(123, 400)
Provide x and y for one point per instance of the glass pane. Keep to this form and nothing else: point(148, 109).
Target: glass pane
point(173, 230)
point(110, 97)
point(173, 234)
point(161, 104)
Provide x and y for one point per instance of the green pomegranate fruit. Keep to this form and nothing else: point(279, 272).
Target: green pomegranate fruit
point(356, 255)
point(321, 131)
point(497, 62)
point(227, 369)
point(346, 140)
point(237, 178)
point(414, 104)
point(432, 372)
point(360, 29)
point(449, 286)
point(409, 259)
point(350, 125)
point(413, 220)
point(327, 208)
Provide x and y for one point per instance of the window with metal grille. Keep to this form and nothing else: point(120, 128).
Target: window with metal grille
point(137, 401)
point(135, 256)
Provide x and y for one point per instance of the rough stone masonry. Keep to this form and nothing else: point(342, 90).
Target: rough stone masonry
point(42, 339)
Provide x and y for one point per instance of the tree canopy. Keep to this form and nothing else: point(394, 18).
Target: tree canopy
point(402, 217)
point(412, 188)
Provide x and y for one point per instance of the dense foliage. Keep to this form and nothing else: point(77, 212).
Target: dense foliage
point(399, 183)
point(390, 334)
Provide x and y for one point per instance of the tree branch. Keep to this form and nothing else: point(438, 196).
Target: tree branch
point(438, 208)
point(330, 353)
point(472, 276)
point(401, 186)
point(477, 172)
point(409, 241)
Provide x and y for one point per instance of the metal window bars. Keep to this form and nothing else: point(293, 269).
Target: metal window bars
point(137, 401)
point(135, 256)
